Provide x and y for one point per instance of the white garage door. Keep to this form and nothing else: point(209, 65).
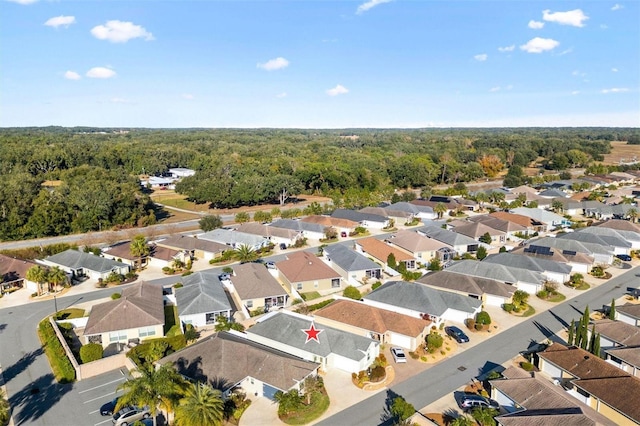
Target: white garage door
point(495, 300)
point(400, 340)
point(552, 370)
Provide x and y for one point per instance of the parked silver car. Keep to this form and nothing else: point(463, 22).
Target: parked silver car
point(129, 415)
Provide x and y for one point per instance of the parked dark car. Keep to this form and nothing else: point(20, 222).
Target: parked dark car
point(471, 401)
point(624, 257)
point(457, 334)
point(107, 409)
point(283, 246)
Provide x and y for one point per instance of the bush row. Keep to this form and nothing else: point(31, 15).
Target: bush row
point(60, 364)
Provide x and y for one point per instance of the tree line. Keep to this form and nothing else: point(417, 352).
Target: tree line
point(96, 171)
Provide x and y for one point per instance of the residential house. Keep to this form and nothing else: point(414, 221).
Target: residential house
point(490, 292)
point(79, 264)
point(557, 272)
point(366, 220)
point(592, 380)
point(477, 230)
point(626, 359)
point(355, 268)
point(551, 219)
point(304, 272)
point(277, 236)
point(137, 315)
point(629, 313)
point(194, 248)
point(613, 236)
point(613, 243)
point(420, 212)
point(604, 212)
point(385, 326)
point(460, 243)
point(420, 247)
point(235, 239)
point(421, 301)
point(580, 263)
point(202, 299)
point(253, 287)
point(229, 361)
point(158, 182)
point(340, 225)
point(121, 252)
point(619, 224)
point(399, 217)
point(510, 228)
point(531, 400)
point(164, 256)
point(298, 335)
point(309, 230)
point(616, 334)
point(13, 274)
point(181, 172)
point(599, 253)
point(553, 193)
point(380, 251)
point(523, 279)
point(531, 225)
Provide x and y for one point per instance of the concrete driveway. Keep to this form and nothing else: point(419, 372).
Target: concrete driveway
point(262, 411)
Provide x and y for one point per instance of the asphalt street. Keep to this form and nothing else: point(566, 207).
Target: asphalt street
point(434, 383)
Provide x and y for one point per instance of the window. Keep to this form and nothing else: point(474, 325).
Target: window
point(315, 284)
point(335, 282)
point(249, 303)
point(117, 336)
point(299, 286)
point(146, 331)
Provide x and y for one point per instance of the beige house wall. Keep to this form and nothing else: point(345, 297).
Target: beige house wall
point(609, 412)
point(132, 333)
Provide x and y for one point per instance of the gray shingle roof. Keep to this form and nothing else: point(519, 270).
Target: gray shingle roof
point(410, 208)
point(543, 216)
point(232, 238)
point(202, 293)
point(75, 259)
point(253, 281)
point(468, 284)
point(528, 262)
point(224, 359)
point(571, 245)
point(420, 298)
point(445, 236)
point(298, 225)
point(602, 240)
point(358, 216)
point(496, 272)
point(349, 259)
point(287, 328)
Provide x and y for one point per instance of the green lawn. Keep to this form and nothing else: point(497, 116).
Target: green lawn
point(70, 313)
point(310, 295)
point(171, 321)
point(530, 311)
point(558, 297)
point(307, 413)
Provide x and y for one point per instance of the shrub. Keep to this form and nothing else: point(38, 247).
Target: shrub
point(131, 275)
point(414, 355)
point(483, 318)
point(508, 307)
point(352, 293)
point(375, 285)
point(91, 352)
point(542, 294)
point(423, 358)
point(60, 363)
point(296, 301)
point(471, 323)
point(190, 333)
point(187, 273)
point(526, 366)
point(169, 271)
point(377, 373)
point(478, 326)
point(178, 285)
point(115, 296)
point(256, 312)
point(115, 278)
point(434, 341)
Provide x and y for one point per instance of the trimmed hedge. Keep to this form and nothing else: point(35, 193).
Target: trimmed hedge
point(60, 364)
point(140, 353)
point(90, 352)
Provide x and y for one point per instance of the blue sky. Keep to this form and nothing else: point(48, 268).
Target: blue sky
point(319, 64)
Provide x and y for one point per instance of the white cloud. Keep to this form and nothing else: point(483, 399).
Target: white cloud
point(617, 7)
point(120, 32)
point(370, 5)
point(575, 92)
point(615, 90)
point(59, 21)
point(507, 48)
point(100, 72)
point(566, 51)
point(25, 2)
point(536, 25)
point(481, 57)
point(575, 17)
point(338, 90)
point(188, 96)
point(614, 69)
point(495, 89)
point(72, 75)
point(281, 95)
point(539, 45)
point(274, 64)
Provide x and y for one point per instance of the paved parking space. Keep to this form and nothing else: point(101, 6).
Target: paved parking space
point(94, 392)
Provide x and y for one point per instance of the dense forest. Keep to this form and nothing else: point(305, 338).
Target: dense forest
point(97, 170)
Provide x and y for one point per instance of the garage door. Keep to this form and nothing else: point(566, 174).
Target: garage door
point(269, 391)
point(400, 340)
point(494, 300)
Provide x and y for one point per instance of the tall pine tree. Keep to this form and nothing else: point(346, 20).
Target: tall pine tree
point(612, 310)
point(596, 345)
point(572, 336)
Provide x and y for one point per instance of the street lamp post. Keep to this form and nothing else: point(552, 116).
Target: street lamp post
point(55, 303)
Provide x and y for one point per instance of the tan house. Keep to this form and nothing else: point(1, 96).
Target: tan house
point(422, 248)
point(380, 251)
point(137, 315)
point(13, 274)
point(491, 292)
point(340, 225)
point(304, 272)
point(385, 326)
point(254, 287)
point(529, 223)
point(121, 252)
point(193, 247)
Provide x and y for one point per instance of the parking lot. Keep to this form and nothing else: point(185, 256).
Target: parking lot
point(96, 391)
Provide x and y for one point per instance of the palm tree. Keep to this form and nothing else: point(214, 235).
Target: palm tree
point(481, 198)
point(244, 254)
point(557, 206)
point(484, 416)
point(153, 388)
point(5, 409)
point(633, 214)
point(463, 420)
point(57, 277)
point(139, 248)
point(200, 405)
point(439, 209)
point(37, 274)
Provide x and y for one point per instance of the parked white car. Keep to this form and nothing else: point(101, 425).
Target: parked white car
point(398, 355)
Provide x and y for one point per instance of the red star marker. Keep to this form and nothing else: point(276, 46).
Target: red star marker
point(312, 333)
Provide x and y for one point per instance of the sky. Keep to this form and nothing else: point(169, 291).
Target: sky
point(319, 64)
